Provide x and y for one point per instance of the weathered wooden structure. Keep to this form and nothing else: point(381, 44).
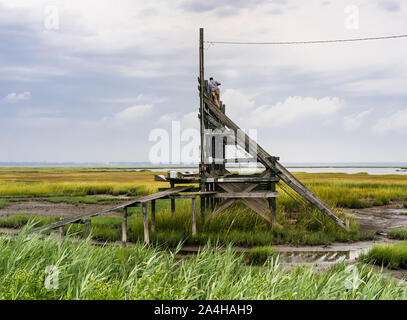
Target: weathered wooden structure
point(214, 185)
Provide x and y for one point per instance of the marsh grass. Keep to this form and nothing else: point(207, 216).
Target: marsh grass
point(300, 224)
point(140, 272)
point(21, 220)
point(238, 225)
point(337, 189)
point(3, 203)
point(398, 233)
point(390, 256)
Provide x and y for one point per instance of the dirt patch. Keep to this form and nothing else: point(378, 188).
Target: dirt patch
point(44, 208)
point(380, 219)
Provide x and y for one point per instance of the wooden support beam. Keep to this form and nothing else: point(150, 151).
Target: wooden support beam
point(153, 215)
point(124, 227)
point(258, 205)
point(145, 222)
point(235, 160)
point(243, 195)
point(191, 195)
point(193, 216)
point(242, 179)
point(269, 163)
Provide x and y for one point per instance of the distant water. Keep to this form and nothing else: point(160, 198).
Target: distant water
point(378, 168)
point(372, 171)
point(349, 170)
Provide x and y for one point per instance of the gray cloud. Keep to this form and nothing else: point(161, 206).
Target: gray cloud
point(228, 7)
point(102, 63)
point(390, 5)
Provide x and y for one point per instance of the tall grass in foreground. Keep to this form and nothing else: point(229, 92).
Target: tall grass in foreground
point(89, 272)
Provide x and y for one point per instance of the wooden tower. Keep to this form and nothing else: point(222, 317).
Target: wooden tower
point(219, 188)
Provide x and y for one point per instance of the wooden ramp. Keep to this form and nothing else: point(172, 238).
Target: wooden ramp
point(219, 120)
point(133, 203)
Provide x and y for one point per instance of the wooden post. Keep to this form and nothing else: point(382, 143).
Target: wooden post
point(193, 216)
point(202, 123)
point(207, 188)
point(61, 231)
point(172, 203)
point(153, 215)
point(213, 198)
point(145, 221)
point(273, 205)
point(124, 226)
point(202, 83)
point(203, 202)
point(87, 228)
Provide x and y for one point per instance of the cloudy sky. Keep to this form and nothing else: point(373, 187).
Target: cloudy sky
point(88, 80)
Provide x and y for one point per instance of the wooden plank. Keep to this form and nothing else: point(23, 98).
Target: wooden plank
point(162, 194)
point(238, 195)
point(235, 160)
point(256, 180)
point(259, 206)
point(191, 195)
point(222, 207)
point(145, 224)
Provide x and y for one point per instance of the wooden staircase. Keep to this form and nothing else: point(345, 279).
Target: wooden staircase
point(216, 118)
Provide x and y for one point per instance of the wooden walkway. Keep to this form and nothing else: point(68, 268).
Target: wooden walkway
point(133, 203)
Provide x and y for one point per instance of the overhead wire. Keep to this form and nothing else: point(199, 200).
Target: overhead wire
point(211, 43)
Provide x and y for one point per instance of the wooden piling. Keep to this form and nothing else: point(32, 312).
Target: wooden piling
point(273, 206)
point(61, 231)
point(202, 200)
point(124, 227)
point(145, 221)
point(153, 215)
point(193, 216)
point(87, 228)
point(172, 203)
